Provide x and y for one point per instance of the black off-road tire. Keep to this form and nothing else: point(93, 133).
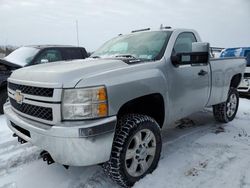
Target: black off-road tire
point(3, 98)
point(127, 127)
point(220, 110)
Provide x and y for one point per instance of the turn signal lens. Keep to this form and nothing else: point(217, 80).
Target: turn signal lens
point(102, 96)
point(102, 109)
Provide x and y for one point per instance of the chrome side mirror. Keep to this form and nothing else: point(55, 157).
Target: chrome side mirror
point(200, 47)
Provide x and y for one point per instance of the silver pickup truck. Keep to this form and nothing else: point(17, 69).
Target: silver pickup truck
point(110, 108)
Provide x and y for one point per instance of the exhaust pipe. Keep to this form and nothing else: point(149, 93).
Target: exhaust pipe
point(46, 157)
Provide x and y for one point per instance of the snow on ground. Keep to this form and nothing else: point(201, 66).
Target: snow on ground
point(200, 153)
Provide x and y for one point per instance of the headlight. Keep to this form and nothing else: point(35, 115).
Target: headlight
point(84, 103)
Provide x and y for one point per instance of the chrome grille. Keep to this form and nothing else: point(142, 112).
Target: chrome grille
point(30, 90)
point(33, 110)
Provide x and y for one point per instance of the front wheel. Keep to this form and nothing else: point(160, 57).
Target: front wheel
point(136, 149)
point(226, 111)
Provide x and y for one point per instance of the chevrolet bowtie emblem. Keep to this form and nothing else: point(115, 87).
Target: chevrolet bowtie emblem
point(19, 97)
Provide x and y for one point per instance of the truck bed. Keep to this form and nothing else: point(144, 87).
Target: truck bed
point(219, 84)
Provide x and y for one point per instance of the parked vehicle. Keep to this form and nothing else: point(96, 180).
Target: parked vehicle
point(111, 108)
point(215, 51)
point(244, 87)
point(33, 55)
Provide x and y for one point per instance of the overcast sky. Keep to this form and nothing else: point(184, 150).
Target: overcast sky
point(223, 23)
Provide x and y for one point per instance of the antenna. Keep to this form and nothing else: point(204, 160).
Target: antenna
point(77, 34)
point(164, 27)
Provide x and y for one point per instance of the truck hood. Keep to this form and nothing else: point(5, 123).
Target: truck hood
point(9, 64)
point(65, 74)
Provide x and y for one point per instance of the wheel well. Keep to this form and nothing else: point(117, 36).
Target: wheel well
point(235, 80)
point(3, 85)
point(151, 105)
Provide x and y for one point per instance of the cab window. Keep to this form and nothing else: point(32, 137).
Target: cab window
point(73, 53)
point(184, 43)
point(50, 55)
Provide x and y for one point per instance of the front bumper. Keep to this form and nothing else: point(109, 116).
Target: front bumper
point(244, 86)
point(75, 143)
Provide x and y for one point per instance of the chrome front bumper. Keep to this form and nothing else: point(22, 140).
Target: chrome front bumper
point(75, 143)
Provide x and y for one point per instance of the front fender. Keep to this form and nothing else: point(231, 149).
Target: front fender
point(129, 83)
point(135, 85)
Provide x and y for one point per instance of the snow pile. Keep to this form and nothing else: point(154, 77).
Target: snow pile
point(213, 157)
point(198, 153)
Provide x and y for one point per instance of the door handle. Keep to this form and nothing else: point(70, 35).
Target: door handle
point(202, 73)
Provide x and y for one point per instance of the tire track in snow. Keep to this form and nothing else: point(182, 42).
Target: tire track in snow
point(13, 154)
point(97, 180)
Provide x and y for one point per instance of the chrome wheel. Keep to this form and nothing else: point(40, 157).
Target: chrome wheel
point(232, 105)
point(140, 152)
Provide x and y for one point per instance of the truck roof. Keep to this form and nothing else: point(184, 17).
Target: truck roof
point(161, 29)
point(52, 46)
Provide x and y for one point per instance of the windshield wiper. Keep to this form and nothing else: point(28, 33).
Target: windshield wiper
point(126, 56)
point(130, 58)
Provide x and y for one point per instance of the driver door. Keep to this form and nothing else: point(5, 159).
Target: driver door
point(189, 87)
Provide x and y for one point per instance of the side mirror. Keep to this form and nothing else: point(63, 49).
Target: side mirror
point(199, 55)
point(44, 60)
point(202, 47)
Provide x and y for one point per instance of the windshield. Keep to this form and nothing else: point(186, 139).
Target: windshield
point(144, 46)
point(22, 56)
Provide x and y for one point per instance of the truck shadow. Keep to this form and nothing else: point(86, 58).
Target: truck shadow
point(245, 96)
point(194, 126)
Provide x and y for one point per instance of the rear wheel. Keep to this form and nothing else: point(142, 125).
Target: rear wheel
point(136, 149)
point(3, 98)
point(225, 112)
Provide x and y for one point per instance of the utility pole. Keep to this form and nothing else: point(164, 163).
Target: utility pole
point(6, 41)
point(77, 34)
